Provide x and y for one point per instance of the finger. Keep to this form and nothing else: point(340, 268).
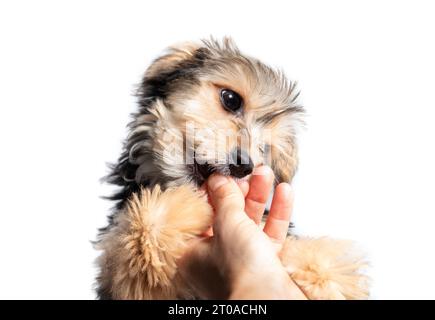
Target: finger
point(277, 223)
point(259, 191)
point(244, 187)
point(224, 194)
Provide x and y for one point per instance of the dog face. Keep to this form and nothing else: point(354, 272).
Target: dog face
point(207, 108)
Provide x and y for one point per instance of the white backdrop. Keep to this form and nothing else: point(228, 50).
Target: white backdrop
point(366, 71)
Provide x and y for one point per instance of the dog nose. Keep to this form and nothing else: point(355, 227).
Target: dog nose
point(241, 164)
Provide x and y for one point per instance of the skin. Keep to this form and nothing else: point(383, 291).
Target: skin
point(238, 259)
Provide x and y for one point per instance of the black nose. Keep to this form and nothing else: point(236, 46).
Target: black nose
point(240, 164)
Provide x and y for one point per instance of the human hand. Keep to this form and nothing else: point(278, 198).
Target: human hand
point(240, 260)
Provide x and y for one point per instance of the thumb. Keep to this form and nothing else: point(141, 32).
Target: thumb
point(225, 195)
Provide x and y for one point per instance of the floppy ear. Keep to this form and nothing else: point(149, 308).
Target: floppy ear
point(283, 154)
point(284, 162)
point(173, 56)
point(170, 72)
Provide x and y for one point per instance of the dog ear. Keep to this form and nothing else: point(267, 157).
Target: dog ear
point(284, 162)
point(172, 58)
point(171, 72)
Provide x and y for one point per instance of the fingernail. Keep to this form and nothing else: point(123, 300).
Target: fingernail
point(215, 181)
point(287, 189)
point(262, 170)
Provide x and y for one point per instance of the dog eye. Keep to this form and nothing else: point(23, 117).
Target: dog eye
point(231, 100)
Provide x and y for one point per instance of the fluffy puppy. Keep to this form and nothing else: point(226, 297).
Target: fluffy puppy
point(205, 107)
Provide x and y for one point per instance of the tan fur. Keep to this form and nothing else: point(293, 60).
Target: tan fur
point(175, 54)
point(141, 250)
point(326, 268)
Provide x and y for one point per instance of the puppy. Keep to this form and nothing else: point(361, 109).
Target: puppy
point(203, 108)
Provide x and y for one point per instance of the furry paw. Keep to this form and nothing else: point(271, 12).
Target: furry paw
point(149, 235)
point(326, 268)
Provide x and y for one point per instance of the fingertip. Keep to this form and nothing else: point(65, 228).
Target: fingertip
point(285, 189)
point(280, 213)
point(282, 202)
point(215, 181)
point(222, 189)
point(244, 186)
point(262, 170)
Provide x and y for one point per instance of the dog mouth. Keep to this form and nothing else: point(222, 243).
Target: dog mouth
point(201, 172)
point(238, 165)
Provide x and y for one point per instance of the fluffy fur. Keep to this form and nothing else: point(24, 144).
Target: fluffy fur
point(150, 234)
point(158, 205)
point(326, 268)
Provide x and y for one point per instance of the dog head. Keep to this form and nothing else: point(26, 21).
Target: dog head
point(208, 108)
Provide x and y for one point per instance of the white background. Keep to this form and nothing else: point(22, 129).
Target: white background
point(366, 70)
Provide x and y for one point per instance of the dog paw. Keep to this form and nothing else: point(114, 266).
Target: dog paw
point(149, 236)
point(326, 268)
